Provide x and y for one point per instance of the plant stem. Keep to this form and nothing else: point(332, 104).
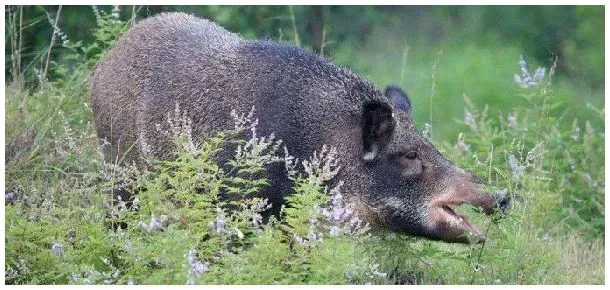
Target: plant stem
point(403, 67)
point(46, 66)
point(433, 89)
point(19, 76)
point(481, 251)
point(297, 40)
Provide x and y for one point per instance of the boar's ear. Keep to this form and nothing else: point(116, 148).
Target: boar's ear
point(399, 98)
point(377, 128)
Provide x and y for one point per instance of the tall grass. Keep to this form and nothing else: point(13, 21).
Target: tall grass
point(63, 225)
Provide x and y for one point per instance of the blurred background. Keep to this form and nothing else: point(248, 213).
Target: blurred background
point(437, 54)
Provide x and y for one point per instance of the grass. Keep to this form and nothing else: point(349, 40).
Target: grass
point(58, 221)
point(482, 72)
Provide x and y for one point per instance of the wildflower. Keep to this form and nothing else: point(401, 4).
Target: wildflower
point(128, 246)
point(461, 144)
point(526, 80)
point(14, 271)
point(323, 165)
point(145, 148)
point(58, 249)
point(96, 12)
point(469, 120)
point(348, 275)
point(575, 133)
point(534, 155)
point(104, 142)
point(221, 223)
point(290, 163)
point(180, 129)
point(197, 267)
point(38, 74)
point(516, 168)
point(313, 235)
point(373, 273)
point(539, 74)
point(155, 224)
point(56, 30)
point(241, 121)
point(116, 12)
point(511, 121)
point(427, 131)
point(239, 233)
point(258, 151)
point(9, 197)
point(334, 231)
point(74, 277)
point(547, 238)
point(341, 218)
point(260, 206)
point(299, 239)
point(257, 220)
point(338, 212)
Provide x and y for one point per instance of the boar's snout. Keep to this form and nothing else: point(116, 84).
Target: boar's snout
point(446, 223)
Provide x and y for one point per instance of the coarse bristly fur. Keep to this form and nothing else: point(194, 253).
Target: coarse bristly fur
point(397, 176)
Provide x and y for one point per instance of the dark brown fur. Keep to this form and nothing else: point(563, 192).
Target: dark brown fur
point(303, 98)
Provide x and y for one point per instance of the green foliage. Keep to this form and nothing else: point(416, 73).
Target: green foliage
point(531, 149)
point(108, 30)
point(583, 49)
point(574, 33)
point(193, 220)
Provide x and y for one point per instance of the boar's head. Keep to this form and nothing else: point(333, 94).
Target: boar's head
point(412, 186)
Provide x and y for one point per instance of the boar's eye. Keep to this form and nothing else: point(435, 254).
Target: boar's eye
point(411, 155)
point(411, 165)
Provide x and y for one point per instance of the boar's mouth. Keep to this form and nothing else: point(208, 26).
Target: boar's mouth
point(450, 226)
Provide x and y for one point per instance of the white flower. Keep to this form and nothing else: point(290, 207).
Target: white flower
point(526, 80)
point(116, 12)
point(197, 267)
point(58, 249)
point(516, 168)
point(512, 121)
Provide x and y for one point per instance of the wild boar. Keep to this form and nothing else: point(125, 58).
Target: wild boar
point(398, 178)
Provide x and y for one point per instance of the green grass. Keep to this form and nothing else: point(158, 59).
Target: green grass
point(552, 234)
point(482, 72)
